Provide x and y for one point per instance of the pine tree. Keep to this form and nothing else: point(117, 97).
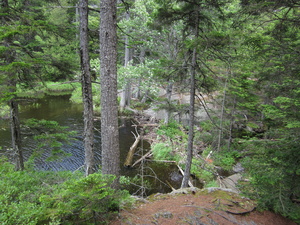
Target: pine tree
point(108, 77)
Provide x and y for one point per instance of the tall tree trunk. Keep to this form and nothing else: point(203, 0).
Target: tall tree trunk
point(126, 93)
point(11, 81)
point(189, 158)
point(190, 146)
point(87, 96)
point(108, 77)
point(142, 60)
point(16, 135)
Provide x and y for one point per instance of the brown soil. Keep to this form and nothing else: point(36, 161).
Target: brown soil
point(198, 207)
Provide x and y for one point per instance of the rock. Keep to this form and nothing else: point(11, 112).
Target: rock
point(190, 190)
point(167, 215)
point(212, 189)
point(230, 182)
point(237, 168)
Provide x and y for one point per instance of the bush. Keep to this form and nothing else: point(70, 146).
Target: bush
point(20, 191)
point(87, 199)
point(204, 172)
point(226, 158)
point(275, 176)
point(44, 197)
point(162, 151)
point(4, 111)
point(171, 130)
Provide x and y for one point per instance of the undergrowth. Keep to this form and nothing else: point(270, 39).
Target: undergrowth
point(45, 197)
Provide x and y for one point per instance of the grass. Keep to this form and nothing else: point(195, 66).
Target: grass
point(50, 88)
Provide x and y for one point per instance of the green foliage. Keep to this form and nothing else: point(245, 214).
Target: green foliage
point(175, 137)
point(203, 171)
point(162, 151)
point(4, 111)
point(39, 89)
point(50, 136)
point(20, 191)
point(76, 96)
point(206, 125)
point(86, 199)
point(40, 197)
point(140, 105)
point(274, 170)
point(172, 130)
point(212, 183)
point(53, 87)
point(226, 158)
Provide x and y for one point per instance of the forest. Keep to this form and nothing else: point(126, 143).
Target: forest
point(225, 74)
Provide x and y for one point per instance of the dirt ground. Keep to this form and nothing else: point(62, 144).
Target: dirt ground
point(198, 207)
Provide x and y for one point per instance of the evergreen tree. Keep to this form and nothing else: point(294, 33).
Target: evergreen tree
point(197, 17)
point(86, 89)
point(24, 57)
point(266, 96)
point(108, 77)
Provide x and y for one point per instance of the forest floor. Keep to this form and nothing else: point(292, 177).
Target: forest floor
point(210, 206)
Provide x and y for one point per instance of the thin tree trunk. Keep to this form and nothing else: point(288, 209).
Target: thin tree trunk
point(16, 135)
point(142, 60)
point(86, 90)
point(11, 81)
point(189, 158)
point(108, 77)
point(145, 97)
point(169, 97)
point(188, 164)
point(126, 95)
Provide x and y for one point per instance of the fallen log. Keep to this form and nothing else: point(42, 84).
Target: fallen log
point(172, 188)
point(148, 154)
point(128, 161)
point(164, 161)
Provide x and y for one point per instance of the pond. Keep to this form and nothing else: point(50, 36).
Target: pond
point(66, 113)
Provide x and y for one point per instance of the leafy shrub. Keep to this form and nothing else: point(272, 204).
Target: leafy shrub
point(162, 151)
point(87, 199)
point(61, 87)
point(204, 173)
point(171, 130)
point(20, 191)
point(4, 111)
point(207, 125)
point(46, 197)
point(226, 159)
point(275, 176)
point(204, 137)
point(212, 183)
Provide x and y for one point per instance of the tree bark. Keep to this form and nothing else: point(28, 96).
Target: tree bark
point(187, 171)
point(142, 61)
point(16, 135)
point(169, 101)
point(189, 158)
point(10, 78)
point(126, 93)
point(87, 96)
point(108, 77)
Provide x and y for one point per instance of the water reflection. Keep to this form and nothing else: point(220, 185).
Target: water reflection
point(60, 109)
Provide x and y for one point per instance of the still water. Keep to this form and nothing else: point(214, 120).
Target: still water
point(66, 113)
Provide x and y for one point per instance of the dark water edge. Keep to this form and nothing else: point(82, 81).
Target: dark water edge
point(60, 109)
